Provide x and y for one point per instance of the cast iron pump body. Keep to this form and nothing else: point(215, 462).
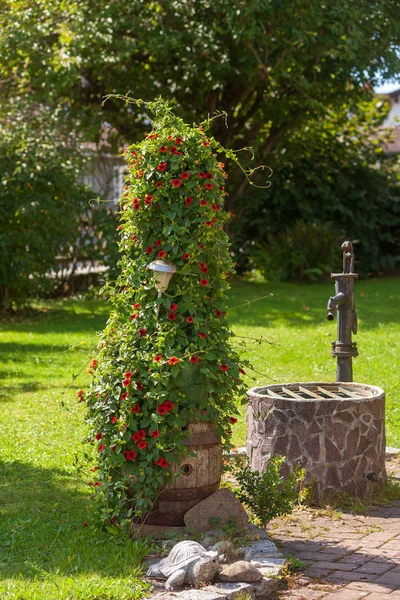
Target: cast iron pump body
point(344, 349)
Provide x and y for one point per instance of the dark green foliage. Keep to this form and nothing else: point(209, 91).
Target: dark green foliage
point(268, 494)
point(301, 252)
point(41, 204)
point(331, 171)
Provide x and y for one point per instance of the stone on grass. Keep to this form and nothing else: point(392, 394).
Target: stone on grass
point(222, 507)
point(240, 571)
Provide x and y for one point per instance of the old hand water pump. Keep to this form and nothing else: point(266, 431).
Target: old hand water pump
point(343, 302)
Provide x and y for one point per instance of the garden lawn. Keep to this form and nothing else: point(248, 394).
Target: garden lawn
point(50, 545)
point(46, 550)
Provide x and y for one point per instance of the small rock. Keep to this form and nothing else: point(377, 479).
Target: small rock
point(207, 542)
point(261, 549)
point(265, 588)
point(257, 533)
point(222, 505)
point(240, 554)
point(240, 571)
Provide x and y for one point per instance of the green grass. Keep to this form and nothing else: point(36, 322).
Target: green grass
point(45, 552)
point(294, 318)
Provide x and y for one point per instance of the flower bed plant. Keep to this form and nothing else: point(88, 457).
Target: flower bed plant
point(164, 360)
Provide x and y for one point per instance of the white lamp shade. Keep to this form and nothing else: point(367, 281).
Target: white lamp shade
point(163, 272)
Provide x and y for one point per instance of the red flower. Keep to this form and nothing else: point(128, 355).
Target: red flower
point(85, 524)
point(186, 256)
point(161, 254)
point(162, 410)
point(137, 305)
point(97, 484)
point(202, 175)
point(188, 201)
point(130, 454)
point(185, 175)
point(173, 149)
point(134, 238)
point(134, 316)
point(169, 138)
point(224, 368)
point(173, 360)
point(201, 246)
point(135, 409)
point(128, 374)
point(168, 405)
point(139, 435)
point(176, 183)
point(139, 386)
point(155, 434)
point(149, 249)
point(232, 420)
point(209, 186)
point(158, 243)
point(190, 319)
point(218, 313)
point(171, 316)
point(158, 358)
point(124, 396)
point(159, 184)
point(101, 447)
point(142, 444)
point(162, 149)
point(126, 382)
point(99, 436)
point(142, 332)
point(208, 223)
point(203, 281)
point(94, 469)
point(203, 267)
point(194, 359)
point(162, 166)
point(153, 136)
point(173, 307)
point(161, 462)
point(242, 371)
point(209, 176)
point(205, 144)
point(202, 335)
point(203, 202)
point(148, 199)
point(178, 141)
point(114, 420)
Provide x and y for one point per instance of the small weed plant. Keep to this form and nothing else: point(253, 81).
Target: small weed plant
point(268, 494)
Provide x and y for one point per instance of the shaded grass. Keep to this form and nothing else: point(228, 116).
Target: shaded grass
point(46, 549)
point(45, 552)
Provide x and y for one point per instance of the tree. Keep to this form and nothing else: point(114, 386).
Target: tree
point(41, 203)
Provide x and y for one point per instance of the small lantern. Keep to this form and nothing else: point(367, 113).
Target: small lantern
point(163, 272)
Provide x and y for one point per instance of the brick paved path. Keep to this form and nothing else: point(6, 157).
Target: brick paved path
point(348, 556)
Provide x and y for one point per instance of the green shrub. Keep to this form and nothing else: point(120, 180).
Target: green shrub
point(268, 494)
point(41, 205)
point(302, 252)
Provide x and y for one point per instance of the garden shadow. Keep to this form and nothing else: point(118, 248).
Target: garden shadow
point(48, 524)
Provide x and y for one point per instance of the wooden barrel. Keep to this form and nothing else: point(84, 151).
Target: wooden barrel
point(199, 477)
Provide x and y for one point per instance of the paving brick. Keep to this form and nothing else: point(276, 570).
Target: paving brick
point(365, 586)
point(314, 571)
point(355, 559)
point(342, 576)
point(334, 566)
point(380, 596)
point(390, 579)
point(347, 595)
point(376, 568)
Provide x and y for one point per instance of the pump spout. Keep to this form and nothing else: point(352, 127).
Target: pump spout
point(333, 303)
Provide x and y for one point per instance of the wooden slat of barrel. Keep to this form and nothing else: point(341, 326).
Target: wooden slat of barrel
point(202, 479)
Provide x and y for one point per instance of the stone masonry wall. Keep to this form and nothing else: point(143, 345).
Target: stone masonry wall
point(339, 442)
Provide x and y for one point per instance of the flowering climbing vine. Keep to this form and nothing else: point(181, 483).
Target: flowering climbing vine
point(164, 361)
